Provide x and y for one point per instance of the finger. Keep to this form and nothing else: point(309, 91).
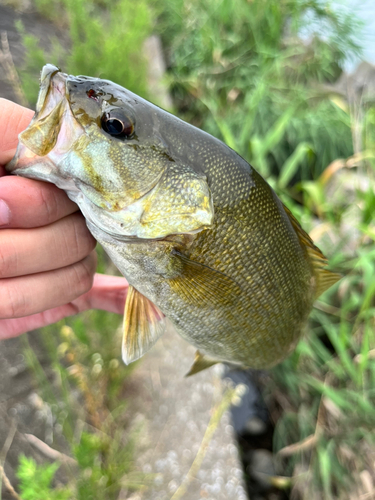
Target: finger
point(14, 119)
point(29, 251)
point(26, 203)
point(35, 293)
point(107, 293)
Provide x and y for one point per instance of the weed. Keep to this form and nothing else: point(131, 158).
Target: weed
point(87, 399)
point(239, 70)
point(36, 481)
point(102, 43)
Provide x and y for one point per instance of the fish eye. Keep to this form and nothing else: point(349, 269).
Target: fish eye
point(117, 125)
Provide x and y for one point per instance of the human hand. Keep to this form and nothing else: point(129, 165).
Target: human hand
point(47, 256)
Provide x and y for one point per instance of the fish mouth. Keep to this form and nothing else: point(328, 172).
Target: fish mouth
point(53, 128)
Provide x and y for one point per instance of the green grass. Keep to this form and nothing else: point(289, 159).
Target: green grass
point(328, 382)
point(101, 40)
point(88, 400)
point(236, 71)
point(36, 481)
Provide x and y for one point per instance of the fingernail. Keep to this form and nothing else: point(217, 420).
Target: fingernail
point(4, 214)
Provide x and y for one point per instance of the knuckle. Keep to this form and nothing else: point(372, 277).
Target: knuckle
point(80, 243)
point(13, 302)
point(47, 199)
point(72, 239)
point(8, 259)
point(91, 242)
point(84, 271)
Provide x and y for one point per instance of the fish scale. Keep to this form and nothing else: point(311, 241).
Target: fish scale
point(201, 237)
point(260, 265)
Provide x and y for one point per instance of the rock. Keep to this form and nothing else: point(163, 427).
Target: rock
point(262, 467)
point(255, 426)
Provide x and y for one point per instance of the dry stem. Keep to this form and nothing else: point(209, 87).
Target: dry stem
point(7, 63)
point(3, 455)
point(8, 485)
point(48, 451)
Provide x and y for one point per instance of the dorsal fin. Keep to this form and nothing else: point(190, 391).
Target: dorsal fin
point(325, 278)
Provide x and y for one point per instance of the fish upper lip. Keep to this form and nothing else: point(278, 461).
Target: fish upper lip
point(48, 71)
point(49, 83)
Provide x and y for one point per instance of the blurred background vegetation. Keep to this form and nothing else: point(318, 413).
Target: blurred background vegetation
point(260, 75)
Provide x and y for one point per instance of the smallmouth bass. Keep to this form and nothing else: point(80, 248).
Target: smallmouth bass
point(200, 236)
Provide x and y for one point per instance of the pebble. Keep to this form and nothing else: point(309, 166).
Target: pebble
point(262, 467)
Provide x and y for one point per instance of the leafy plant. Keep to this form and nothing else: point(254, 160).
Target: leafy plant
point(240, 70)
point(87, 402)
point(36, 480)
point(101, 43)
point(329, 379)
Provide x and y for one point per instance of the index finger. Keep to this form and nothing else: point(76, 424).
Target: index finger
point(26, 203)
point(14, 119)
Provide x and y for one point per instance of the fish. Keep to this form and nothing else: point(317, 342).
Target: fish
point(201, 237)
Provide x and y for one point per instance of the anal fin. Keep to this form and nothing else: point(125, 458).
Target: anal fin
point(144, 324)
point(201, 362)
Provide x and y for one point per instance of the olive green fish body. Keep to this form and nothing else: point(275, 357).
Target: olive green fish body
point(270, 266)
point(197, 232)
point(252, 242)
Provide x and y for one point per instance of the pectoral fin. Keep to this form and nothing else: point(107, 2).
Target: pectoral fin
point(202, 286)
point(201, 362)
point(144, 324)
